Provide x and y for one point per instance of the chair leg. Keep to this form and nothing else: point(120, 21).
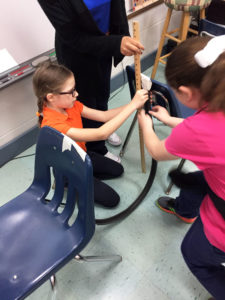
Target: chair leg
point(179, 167)
point(161, 43)
point(185, 23)
point(128, 135)
point(115, 258)
point(53, 282)
point(202, 14)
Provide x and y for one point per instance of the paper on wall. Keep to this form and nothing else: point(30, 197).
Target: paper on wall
point(6, 61)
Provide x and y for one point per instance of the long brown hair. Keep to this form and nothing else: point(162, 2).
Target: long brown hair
point(48, 78)
point(182, 69)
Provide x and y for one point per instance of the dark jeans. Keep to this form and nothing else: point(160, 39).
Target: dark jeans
point(104, 168)
point(188, 202)
point(92, 77)
point(204, 260)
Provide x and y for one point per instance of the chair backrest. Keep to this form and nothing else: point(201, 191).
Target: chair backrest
point(209, 28)
point(177, 109)
point(72, 165)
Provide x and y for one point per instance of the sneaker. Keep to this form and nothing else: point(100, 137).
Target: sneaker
point(114, 139)
point(113, 156)
point(167, 204)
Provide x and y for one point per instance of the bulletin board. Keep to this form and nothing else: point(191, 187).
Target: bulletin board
point(135, 7)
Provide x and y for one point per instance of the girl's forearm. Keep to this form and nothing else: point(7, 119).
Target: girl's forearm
point(103, 132)
point(119, 117)
point(152, 142)
point(99, 115)
point(111, 113)
point(173, 121)
point(155, 146)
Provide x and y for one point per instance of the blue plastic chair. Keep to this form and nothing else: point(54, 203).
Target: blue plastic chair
point(35, 239)
point(163, 94)
point(165, 97)
point(209, 28)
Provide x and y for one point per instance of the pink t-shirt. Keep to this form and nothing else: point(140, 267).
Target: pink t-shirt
point(201, 139)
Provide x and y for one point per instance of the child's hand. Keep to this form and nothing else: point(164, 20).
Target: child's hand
point(160, 113)
point(140, 98)
point(144, 120)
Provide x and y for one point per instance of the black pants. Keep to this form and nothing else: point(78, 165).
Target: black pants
point(204, 260)
point(188, 202)
point(92, 77)
point(98, 101)
point(104, 168)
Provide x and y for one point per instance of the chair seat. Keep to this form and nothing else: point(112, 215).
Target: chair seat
point(188, 6)
point(42, 244)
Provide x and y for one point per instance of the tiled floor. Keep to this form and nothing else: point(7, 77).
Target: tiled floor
point(148, 240)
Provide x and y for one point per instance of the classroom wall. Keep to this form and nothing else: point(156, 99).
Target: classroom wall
point(18, 104)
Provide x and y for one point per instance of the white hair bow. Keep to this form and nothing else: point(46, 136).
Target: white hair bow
point(211, 52)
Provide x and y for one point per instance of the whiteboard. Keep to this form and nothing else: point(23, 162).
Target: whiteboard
point(25, 31)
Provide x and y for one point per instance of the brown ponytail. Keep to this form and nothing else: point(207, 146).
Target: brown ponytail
point(40, 104)
point(182, 69)
point(213, 85)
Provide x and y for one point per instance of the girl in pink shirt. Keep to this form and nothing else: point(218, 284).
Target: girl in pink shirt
point(196, 72)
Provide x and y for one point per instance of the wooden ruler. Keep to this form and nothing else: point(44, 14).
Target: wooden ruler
point(137, 66)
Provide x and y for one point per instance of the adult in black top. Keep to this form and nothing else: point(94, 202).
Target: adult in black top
point(87, 51)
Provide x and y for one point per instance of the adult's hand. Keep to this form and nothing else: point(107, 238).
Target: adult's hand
point(130, 46)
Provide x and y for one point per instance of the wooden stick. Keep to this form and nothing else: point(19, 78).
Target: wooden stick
point(137, 65)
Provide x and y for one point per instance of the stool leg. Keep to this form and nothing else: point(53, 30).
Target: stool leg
point(161, 43)
point(202, 14)
point(185, 23)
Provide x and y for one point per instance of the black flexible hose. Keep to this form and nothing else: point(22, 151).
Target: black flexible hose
point(125, 213)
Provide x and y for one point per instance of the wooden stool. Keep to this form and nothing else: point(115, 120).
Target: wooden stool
point(187, 7)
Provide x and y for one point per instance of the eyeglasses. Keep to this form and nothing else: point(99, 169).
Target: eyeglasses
point(72, 92)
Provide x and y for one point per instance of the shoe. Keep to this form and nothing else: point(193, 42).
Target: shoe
point(167, 204)
point(114, 139)
point(113, 156)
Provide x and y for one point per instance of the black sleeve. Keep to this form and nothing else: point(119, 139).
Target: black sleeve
point(118, 22)
point(71, 26)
